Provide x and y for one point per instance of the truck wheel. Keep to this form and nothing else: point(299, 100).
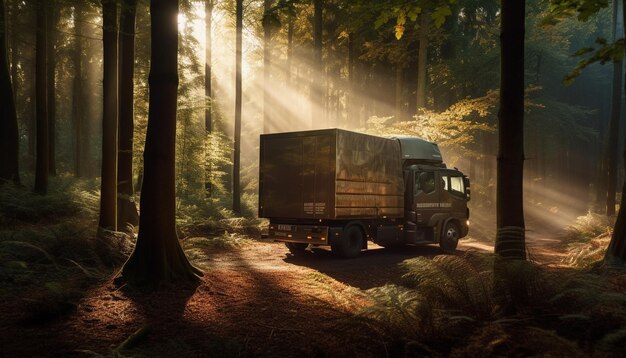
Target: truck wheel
point(450, 237)
point(296, 248)
point(350, 244)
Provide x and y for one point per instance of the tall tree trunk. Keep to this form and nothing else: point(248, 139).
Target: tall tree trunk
point(614, 124)
point(126, 209)
point(208, 92)
point(14, 45)
point(41, 164)
point(237, 134)
point(77, 91)
point(510, 240)
point(158, 256)
point(268, 126)
point(288, 68)
point(9, 142)
point(317, 91)
point(422, 59)
point(399, 80)
point(51, 73)
point(617, 247)
point(352, 116)
point(108, 184)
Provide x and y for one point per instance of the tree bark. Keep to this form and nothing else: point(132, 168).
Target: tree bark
point(9, 141)
point(614, 125)
point(208, 91)
point(510, 240)
point(77, 92)
point(108, 184)
point(268, 126)
point(237, 134)
point(399, 80)
point(41, 164)
point(52, 13)
point(422, 59)
point(617, 247)
point(158, 257)
point(317, 90)
point(126, 209)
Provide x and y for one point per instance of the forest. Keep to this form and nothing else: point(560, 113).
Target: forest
point(135, 215)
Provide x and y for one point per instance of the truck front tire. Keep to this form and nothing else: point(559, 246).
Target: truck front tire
point(350, 244)
point(450, 236)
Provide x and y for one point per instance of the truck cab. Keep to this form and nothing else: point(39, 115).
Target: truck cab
point(436, 201)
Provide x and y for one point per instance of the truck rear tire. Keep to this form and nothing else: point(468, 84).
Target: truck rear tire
point(296, 248)
point(350, 244)
point(450, 237)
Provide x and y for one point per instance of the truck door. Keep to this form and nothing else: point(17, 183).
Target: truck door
point(453, 195)
point(425, 196)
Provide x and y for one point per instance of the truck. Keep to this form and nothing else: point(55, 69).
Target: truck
point(339, 188)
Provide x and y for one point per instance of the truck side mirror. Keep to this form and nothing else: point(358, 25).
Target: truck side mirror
point(466, 183)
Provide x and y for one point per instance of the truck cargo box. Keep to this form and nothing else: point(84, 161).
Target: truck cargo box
point(330, 174)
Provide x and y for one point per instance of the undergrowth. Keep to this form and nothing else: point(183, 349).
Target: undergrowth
point(49, 251)
point(589, 238)
point(471, 305)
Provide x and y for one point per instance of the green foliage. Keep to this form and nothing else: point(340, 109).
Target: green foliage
point(476, 305)
point(49, 248)
point(583, 9)
point(590, 236)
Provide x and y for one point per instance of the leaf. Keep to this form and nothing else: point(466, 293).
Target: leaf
point(399, 30)
point(382, 19)
point(440, 14)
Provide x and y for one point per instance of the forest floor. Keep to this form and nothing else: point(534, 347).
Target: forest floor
point(255, 299)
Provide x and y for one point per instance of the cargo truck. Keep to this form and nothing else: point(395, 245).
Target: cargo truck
point(341, 189)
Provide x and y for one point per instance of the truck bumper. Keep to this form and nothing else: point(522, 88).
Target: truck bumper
point(310, 234)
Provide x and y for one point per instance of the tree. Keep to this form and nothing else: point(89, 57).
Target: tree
point(422, 60)
point(237, 134)
point(617, 247)
point(41, 164)
point(510, 240)
point(108, 184)
point(158, 256)
point(77, 91)
point(614, 124)
point(317, 89)
point(52, 13)
point(126, 209)
point(267, 69)
point(9, 142)
point(208, 91)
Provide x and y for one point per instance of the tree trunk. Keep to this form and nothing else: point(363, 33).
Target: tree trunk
point(52, 14)
point(614, 125)
point(422, 59)
point(268, 126)
point(77, 91)
point(617, 247)
point(510, 240)
point(399, 80)
point(9, 141)
point(208, 92)
point(41, 164)
point(289, 50)
point(108, 184)
point(126, 209)
point(317, 90)
point(158, 257)
point(237, 134)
